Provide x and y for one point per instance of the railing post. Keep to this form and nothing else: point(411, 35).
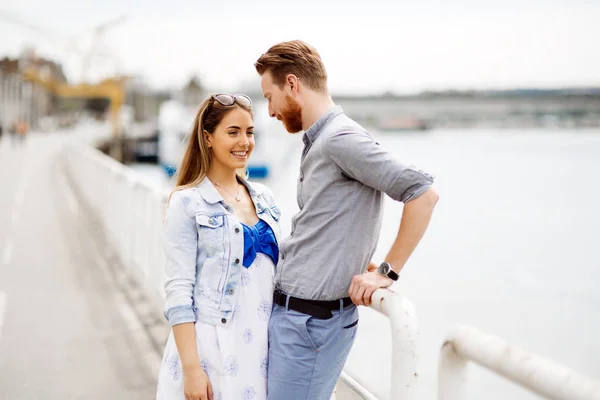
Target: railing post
point(452, 374)
point(405, 359)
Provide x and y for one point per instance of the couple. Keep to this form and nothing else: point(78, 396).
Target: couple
point(254, 317)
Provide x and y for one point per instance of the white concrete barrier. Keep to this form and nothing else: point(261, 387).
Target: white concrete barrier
point(130, 208)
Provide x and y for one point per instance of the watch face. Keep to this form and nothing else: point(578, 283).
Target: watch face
point(384, 268)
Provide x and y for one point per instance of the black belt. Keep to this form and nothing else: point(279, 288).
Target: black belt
point(317, 308)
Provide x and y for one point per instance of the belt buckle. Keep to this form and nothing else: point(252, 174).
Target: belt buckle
point(282, 297)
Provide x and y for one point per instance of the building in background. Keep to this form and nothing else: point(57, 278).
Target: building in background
point(192, 94)
point(22, 100)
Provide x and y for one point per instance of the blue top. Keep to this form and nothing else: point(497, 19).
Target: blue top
point(259, 238)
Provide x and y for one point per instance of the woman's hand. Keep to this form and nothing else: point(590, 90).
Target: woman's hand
point(196, 385)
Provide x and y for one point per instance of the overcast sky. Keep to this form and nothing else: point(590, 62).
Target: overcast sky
point(368, 46)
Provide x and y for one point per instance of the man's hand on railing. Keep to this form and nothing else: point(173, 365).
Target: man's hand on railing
point(363, 285)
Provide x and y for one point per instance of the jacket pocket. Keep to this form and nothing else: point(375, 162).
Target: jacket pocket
point(210, 230)
point(212, 233)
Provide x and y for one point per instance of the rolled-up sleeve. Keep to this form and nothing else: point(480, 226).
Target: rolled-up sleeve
point(180, 246)
point(361, 158)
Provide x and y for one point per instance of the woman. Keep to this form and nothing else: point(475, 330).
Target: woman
point(221, 246)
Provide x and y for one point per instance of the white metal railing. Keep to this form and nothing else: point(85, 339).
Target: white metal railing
point(531, 371)
point(131, 209)
point(404, 361)
point(403, 321)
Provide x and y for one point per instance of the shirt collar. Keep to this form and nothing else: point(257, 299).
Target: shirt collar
point(209, 192)
point(312, 133)
point(252, 190)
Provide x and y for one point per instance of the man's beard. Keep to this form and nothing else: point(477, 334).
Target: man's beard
point(291, 115)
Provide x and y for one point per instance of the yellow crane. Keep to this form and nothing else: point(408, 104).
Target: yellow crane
point(112, 88)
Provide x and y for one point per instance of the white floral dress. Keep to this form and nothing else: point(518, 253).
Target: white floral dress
point(235, 358)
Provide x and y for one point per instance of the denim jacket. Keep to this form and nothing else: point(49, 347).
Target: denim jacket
point(204, 249)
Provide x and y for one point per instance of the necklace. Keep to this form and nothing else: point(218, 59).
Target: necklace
point(235, 196)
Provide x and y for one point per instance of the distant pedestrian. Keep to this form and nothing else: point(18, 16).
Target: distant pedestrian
point(22, 130)
point(12, 131)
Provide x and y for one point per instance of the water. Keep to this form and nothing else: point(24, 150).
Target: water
point(512, 249)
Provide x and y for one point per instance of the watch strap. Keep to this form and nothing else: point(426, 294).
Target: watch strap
point(390, 271)
point(393, 275)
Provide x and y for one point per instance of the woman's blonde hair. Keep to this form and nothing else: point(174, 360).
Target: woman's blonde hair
point(198, 156)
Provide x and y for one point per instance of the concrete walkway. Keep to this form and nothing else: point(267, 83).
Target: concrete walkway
point(65, 331)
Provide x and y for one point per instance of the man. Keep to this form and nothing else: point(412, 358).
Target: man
point(325, 268)
point(22, 129)
point(12, 130)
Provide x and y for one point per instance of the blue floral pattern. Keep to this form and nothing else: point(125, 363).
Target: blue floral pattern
point(248, 336)
point(231, 366)
point(174, 366)
point(235, 355)
point(246, 277)
point(206, 366)
point(264, 366)
point(264, 310)
point(249, 393)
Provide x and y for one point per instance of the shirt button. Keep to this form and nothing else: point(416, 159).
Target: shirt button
point(237, 260)
point(223, 320)
point(230, 291)
point(282, 256)
point(237, 230)
point(301, 179)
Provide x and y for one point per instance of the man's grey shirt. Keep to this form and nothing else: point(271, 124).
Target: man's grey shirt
point(343, 175)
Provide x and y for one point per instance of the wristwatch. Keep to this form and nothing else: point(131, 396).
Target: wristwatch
point(385, 269)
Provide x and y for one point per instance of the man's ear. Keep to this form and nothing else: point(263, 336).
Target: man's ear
point(292, 82)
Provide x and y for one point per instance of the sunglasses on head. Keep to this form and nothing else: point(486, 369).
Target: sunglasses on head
point(229, 100)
